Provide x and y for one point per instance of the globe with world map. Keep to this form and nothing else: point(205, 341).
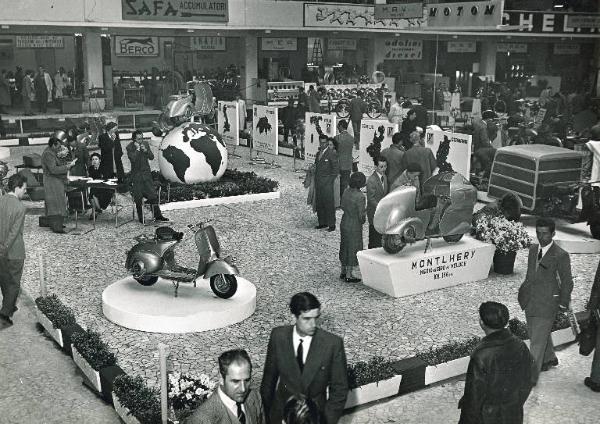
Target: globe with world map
point(192, 153)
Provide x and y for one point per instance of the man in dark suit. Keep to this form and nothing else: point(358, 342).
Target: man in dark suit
point(233, 402)
point(345, 143)
point(593, 305)
point(499, 374)
point(377, 188)
point(326, 171)
point(12, 247)
point(545, 291)
point(393, 156)
point(303, 359)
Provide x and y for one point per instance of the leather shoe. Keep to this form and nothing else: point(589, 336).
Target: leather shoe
point(552, 363)
point(595, 387)
point(320, 227)
point(352, 280)
point(5, 320)
point(330, 229)
point(162, 219)
point(342, 276)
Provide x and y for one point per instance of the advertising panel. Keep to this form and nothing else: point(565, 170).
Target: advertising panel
point(511, 47)
point(462, 46)
point(264, 129)
point(180, 11)
point(402, 49)
point(353, 16)
point(458, 145)
point(213, 43)
point(326, 122)
point(399, 9)
point(373, 132)
point(279, 43)
point(139, 46)
point(341, 44)
point(228, 121)
point(40, 42)
point(465, 14)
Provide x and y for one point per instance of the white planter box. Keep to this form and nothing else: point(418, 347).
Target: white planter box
point(560, 337)
point(55, 333)
point(286, 151)
point(123, 412)
point(92, 375)
point(244, 198)
point(373, 391)
point(447, 370)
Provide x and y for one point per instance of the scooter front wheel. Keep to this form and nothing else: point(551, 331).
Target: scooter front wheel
point(223, 285)
point(146, 280)
point(393, 243)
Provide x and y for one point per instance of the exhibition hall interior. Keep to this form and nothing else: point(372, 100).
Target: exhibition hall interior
point(296, 212)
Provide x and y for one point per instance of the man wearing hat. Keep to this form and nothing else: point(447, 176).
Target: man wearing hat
point(499, 373)
point(111, 152)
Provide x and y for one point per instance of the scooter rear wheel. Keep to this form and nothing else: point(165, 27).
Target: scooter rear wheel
point(393, 243)
point(223, 285)
point(146, 280)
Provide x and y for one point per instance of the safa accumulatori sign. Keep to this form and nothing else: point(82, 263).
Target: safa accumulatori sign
point(176, 10)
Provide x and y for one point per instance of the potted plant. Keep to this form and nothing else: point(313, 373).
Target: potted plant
point(373, 380)
point(507, 236)
point(187, 392)
point(91, 354)
point(135, 402)
point(53, 315)
point(447, 361)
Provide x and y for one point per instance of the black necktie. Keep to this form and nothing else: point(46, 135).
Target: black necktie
point(540, 255)
point(300, 356)
point(240, 413)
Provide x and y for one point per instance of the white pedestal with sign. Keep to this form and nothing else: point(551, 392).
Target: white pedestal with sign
point(411, 271)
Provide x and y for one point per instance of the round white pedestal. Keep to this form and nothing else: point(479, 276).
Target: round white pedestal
point(155, 309)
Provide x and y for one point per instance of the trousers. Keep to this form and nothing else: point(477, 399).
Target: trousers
point(11, 271)
point(374, 237)
point(541, 347)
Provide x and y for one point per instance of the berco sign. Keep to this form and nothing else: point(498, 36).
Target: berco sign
point(176, 10)
point(136, 46)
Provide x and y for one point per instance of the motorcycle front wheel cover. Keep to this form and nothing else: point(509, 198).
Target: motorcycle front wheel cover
point(223, 285)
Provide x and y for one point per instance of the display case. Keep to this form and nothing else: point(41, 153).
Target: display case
point(278, 93)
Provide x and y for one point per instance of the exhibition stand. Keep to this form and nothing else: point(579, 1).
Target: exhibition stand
point(412, 271)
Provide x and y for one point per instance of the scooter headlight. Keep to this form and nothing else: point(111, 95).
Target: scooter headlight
point(138, 269)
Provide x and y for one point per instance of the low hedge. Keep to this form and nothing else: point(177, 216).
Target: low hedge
point(519, 328)
point(449, 352)
point(377, 369)
point(93, 349)
point(142, 401)
point(58, 313)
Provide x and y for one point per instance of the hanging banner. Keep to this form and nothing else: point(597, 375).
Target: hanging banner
point(180, 11)
point(278, 43)
point(353, 16)
point(40, 42)
point(511, 47)
point(462, 46)
point(208, 43)
point(569, 48)
point(136, 46)
point(399, 9)
point(341, 44)
point(264, 129)
point(326, 122)
point(228, 121)
point(459, 149)
point(397, 49)
point(375, 135)
point(478, 14)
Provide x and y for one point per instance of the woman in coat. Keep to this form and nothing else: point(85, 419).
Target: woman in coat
point(111, 152)
point(99, 197)
point(55, 177)
point(355, 212)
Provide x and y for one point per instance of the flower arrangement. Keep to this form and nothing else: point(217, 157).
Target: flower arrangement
point(93, 349)
point(59, 315)
point(141, 401)
point(187, 392)
point(377, 369)
point(449, 352)
point(507, 236)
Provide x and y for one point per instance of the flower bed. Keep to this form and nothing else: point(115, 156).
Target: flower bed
point(370, 381)
point(187, 392)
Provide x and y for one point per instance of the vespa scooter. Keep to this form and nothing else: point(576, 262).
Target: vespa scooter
point(154, 257)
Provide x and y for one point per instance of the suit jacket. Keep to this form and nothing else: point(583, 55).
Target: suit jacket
point(12, 212)
point(375, 192)
point(393, 156)
point(214, 411)
point(324, 372)
point(327, 165)
point(140, 165)
point(55, 177)
point(548, 284)
point(111, 152)
point(345, 144)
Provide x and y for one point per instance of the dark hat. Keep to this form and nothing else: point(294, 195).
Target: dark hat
point(110, 126)
point(489, 114)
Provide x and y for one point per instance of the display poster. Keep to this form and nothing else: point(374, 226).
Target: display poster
point(462, 46)
point(228, 122)
point(568, 48)
point(138, 46)
point(465, 14)
point(40, 42)
point(279, 43)
point(402, 49)
point(264, 129)
point(179, 11)
point(341, 44)
point(211, 43)
point(353, 16)
point(326, 122)
point(459, 149)
point(511, 47)
point(375, 135)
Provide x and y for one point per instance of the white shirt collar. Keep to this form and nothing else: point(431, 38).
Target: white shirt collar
point(229, 403)
point(545, 249)
point(306, 340)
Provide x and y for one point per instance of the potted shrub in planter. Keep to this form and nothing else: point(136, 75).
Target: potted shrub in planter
point(187, 392)
point(370, 381)
point(135, 402)
point(507, 236)
point(561, 330)
point(91, 354)
point(53, 315)
point(447, 361)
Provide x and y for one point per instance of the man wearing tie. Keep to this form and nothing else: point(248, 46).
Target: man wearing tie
point(345, 143)
point(545, 291)
point(326, 171)
point(233, 402)
point(377, 188)
point(303, 359)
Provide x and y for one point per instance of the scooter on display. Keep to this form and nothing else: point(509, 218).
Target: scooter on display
point(154, 257)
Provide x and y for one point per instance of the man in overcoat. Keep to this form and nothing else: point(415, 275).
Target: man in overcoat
point(304, 359)
point(377, 188)
point(499, 373)
point(545, 291)
point(593, 305)
point(55, 178)
point(111, 152)
point(345, 143)
point(326, 171)
point(233, 402)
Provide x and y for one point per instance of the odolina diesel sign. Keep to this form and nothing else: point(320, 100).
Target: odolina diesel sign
point(140, 46)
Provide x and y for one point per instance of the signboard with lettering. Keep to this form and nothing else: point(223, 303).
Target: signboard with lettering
point(40, 42)
point(353, 16)
point(279, 43)
point(373, 131)
point(548, 22)
point(459, 155)
point(511, 47)
point(399, 9)
point(462, 46)
point(402, 49)
point(327, 123)
point(208, 43)
point(176, 10)
point(583, 21)
point(264, 129)
point(228, 121)
point(567, 48)
point(465, 14)
point(139, 46)
point(341, 44)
